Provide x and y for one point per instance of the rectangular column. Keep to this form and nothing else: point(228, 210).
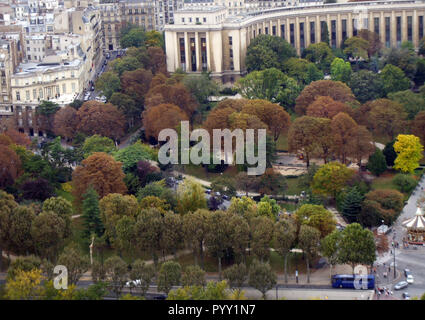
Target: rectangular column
point(403, 26)
point(393, 30)
point(297, 35)
point(187, 52)
point(349, 25)
point(415, 26)
point(207, 39)
point(198, 52)
point(307, 32)
point(382, 28)
point(278, 30)
point(338, 31)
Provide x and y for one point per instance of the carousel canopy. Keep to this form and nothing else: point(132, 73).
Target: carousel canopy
point(417, 222)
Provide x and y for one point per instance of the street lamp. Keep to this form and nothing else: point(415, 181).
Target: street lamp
point(393, 244)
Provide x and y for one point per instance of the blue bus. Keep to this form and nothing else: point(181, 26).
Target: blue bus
point(347, 281)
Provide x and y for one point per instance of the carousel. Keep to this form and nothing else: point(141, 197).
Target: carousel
point(416, 228)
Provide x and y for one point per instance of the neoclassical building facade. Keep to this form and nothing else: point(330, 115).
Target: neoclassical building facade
point(207, 39)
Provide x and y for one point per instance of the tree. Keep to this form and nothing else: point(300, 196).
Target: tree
point(218, 237)
point(357, 246)
point(302, 70)
point(17, 137)
point(326, 107)
point(195, 227)
point(404, 58)
point(63, 208)
point(302, 136)
point(113, 208)
point(127, 63)
point(175, 94)
point(373, 40)
point(136, 84)
point(97, 143)
point(101, 118)
point(116, 271)
point(308, 240)
point(142, 274)
point(126, 104)
point(320, 54)
point(274, 116)
point(261, 237)
point(360, 144)
point(19, 229)
point(388, 203)
point(75, 262)
point(161, 117)
point(266, 51)
point(404, 183)
point(39, 189)
point(45, 113)
point(201, 86)
point(91, 213)
point(190, 197)
point(149, 230)
point(394, 79)
point(213, 291)
point(7, 204)
point(10, 166)
point(47, 230)
point(169, 276)
point(172, 239)
point(261, 277)
point(157, 60)
point(409, 152)
point(377, 164)
point(356, 47)
point(130, 156)
point(418, 126)
point(316, 216)
point(236, 275)
point(271, 182)
point(26, 285)
point(269, 84)
point(343, 130)
point(193, 276)
point(412, 102)
point(337, 90)
point(100, 171)
point(341, 70)
point(352, 204)
point(331, 178)
point(108, 83)
point(389, 153)
point(65, 122)
point(285, 234)
point(324, 32)
point(329, 248)
point(133, 37)
point(386, 117)
point(366, 85)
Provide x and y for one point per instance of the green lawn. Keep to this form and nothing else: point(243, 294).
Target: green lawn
point(293, 188)
point(201, 173)
point(384, 182)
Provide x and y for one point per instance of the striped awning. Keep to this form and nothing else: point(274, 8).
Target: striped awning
point(417, 222)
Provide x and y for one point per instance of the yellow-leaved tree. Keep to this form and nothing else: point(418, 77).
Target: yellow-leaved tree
point(409, 152)
point(25, 286)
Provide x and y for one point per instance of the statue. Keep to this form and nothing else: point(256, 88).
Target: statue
point(91, 250)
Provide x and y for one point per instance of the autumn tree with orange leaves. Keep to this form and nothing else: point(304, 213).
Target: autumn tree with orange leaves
point(10, 166)
point(160, 117)
point(343, 130)
point(136, 84)
point(326, 107)
point(337, 90)
point(101, 118)
point(100, 171)
point(176, 94)
point(17, 137)
point(65, 122)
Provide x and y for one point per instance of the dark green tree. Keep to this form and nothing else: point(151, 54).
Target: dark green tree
point(377, 163)
point(389, 153)
point(91, 213)
point(352, 204)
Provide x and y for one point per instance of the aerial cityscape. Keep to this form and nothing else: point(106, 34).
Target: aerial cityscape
point(212, 150)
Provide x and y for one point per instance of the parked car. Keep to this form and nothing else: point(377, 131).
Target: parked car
point(409, 279)
point(406, 296)
point(407, 272)
point(133, 283)
point(401, 285)
point(208, 191)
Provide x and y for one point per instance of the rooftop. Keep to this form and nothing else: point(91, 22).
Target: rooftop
point(50, 63)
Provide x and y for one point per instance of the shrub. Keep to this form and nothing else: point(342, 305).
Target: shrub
point(404, 182)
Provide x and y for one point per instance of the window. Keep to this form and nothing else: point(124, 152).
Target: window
point(40, 94)
point(64, 88)
point(230, 41)
point(34, 94)
point(27, 95)
point(73, 86)
point(204, 19)
point(18, 96)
